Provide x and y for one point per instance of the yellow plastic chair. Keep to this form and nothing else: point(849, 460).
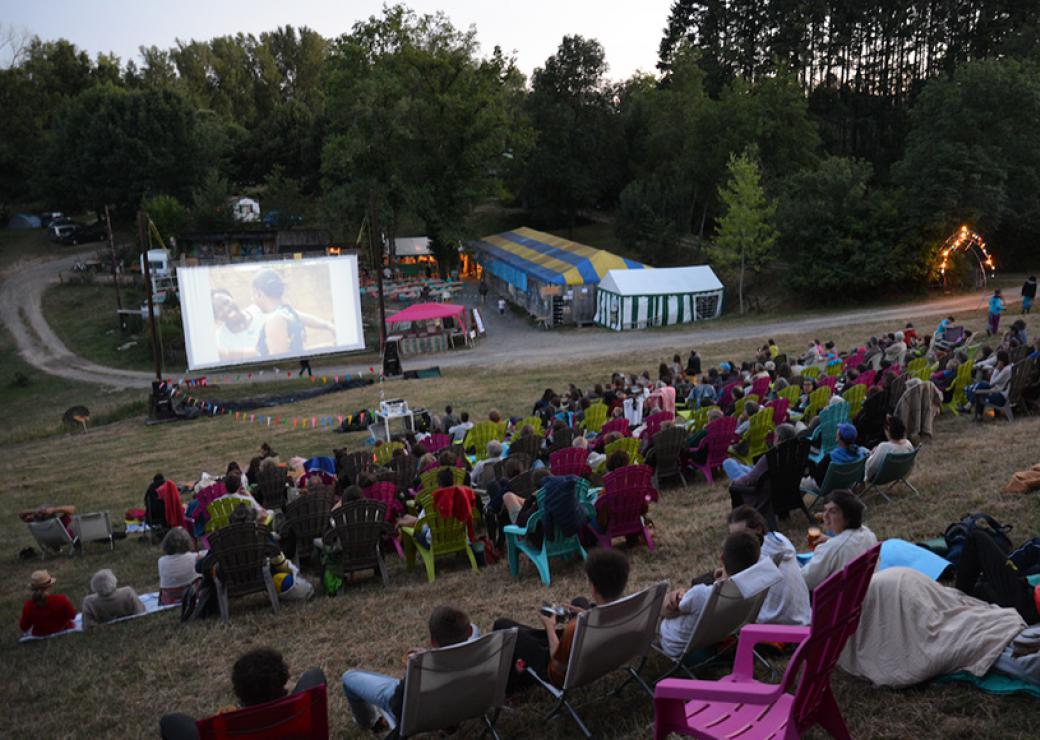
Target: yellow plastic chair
point(855, 395)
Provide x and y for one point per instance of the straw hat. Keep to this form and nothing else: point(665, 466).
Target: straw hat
point(40, 580)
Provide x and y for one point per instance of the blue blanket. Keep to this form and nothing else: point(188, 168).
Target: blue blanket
point(902, 554)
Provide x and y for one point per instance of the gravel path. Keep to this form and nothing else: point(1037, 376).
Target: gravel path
point(510, 341)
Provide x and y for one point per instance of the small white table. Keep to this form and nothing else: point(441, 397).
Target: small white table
point(387, 418)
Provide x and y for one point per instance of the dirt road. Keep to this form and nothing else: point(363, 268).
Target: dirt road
point(510, 340)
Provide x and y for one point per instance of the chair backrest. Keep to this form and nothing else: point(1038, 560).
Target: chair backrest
point(786, 466)
point(480, 434)
point(760, 387)
point(1020, 374)
point(830, 380)
point(359, 527)
point(386, 493)
point(522, 484)
point(218, 512)
point(449, 685)
point(854, 396)
point(1019, 353)
point(894, 467)
point(779, 407)
point(628, 445)
point(871, 420)
point(562, 438)
point(595, 417)
point(301, 714)
point(242, 550)
point(384, 453)
point(759, 429)
point(843, 475)
point(271, 486)
point(631, 477)
point(429, 478)
point(896, 389)
point(724, 614)
point(811, 372)
point(556, 543)
point(720, 436)
point(915, 366)
point(866, 378)
point(624, 507)
point(405, 468)
point(817, 401)
point(308, 517)
point(530, 446)
point(698, 418)
point(960, 382)
point(836, 609)
point(669, 445)
point(349, 464)
point(94, 526)
point(613, 635)
point(571, 461)
point(436, 442)
point(535, 422)
point(620, 424)
point(830, 418)
point(792, 393)
point(50, 533)
point(652, 423)
point(726, 396)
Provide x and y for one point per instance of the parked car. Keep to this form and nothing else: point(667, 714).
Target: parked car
point(58, 231)
point(81, 234)
point(50, 217)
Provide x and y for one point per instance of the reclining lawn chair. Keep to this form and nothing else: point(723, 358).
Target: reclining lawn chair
point(357, 530)
point(738, 706)
point(307, 518)
point(825, 435)
point(51, 535)
point(447, 686)
point(572, 461)
point(723, 616)
point(243, 552)
point(553, 545)
point(609, 638)
point(894, 469)
point(303, 714)
point(95, 527)
point(838, 476)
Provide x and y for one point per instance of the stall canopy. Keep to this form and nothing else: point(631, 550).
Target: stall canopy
point(548, 259)
point(426, 312)
point(635, 299)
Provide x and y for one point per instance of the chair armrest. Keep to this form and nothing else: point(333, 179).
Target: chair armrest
point(513, 529)
point(752, 634)
point(679, 689)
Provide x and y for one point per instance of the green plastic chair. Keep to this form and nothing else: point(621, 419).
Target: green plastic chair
point(854, 396)
point(755, 437)
point(429, 479)
point(556, 546)
point(792, 393)
point(918, 368)
point(219, 512)
point(625, 444)
point(447, 536)
point(482, 433)
point(697, 419)
point(818, 399)
point(811, 372)
point(960, 381)
point(385, 452)
point(826, 432)
point(894, 469)
point(595, 417)
point(535, 423)
point(834, 370)
point(838, 476)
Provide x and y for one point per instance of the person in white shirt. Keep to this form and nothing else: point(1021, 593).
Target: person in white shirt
point(896, 444)
point(176, 565)
point(595, 458)
point(683, 608)
point(458, 432)
point(484, 471)
point(848, 538)
point(788, 600)
point(896, 352)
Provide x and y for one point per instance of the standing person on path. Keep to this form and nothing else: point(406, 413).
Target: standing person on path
point(305, 365)
point(501, 306)
point(1028, 294)
point(996, 307)
point(483, 290)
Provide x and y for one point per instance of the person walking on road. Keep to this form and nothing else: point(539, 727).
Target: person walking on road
point(483, 290)
point(501, 306)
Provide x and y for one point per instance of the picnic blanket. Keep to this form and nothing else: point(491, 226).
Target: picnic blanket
point(994, 683)
point(151, 605)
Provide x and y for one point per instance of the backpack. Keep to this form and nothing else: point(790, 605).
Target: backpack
point(957, 533)
point(1027, 558)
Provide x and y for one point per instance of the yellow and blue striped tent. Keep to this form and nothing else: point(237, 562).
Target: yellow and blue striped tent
point(551, 260)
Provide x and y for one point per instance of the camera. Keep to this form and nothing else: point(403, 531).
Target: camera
point(561, 613)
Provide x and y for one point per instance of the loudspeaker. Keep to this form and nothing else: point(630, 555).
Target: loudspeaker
point(392, 358)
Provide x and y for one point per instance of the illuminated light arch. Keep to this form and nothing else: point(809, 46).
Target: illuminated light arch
point(968, 241)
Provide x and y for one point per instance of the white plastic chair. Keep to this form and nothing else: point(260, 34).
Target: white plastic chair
point(93, 528)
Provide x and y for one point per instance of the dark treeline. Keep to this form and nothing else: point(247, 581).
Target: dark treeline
point(863, 133)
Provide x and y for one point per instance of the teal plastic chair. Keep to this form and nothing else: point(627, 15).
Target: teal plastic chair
point(556, 546)
point(826, 432)
point(894, 469)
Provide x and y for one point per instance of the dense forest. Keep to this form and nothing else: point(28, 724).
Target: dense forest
point(845, 138)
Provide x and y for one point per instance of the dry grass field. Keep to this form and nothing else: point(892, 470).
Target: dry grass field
point(118, 680)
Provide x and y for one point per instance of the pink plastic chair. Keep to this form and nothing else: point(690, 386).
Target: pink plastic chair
point(570, 461)
point(779, 406)
point(827, 380)
point(387, 493)
point(854, 360)
point(653, 423)
point(436, 442)
point(760, 387)
point(619, 424)
point(721, 434)
point(623, 499)
point(866, 378)
point(726, 396)
point(740, 706)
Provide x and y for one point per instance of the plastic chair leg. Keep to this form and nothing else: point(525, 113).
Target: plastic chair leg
point(513, 555)
point(427, 558)
point(272, 593)
point(542, 564)
point(472, 558)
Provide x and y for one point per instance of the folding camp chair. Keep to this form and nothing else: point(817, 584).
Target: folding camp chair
point(894, 469)
point(838, 476)
point(723, 616)
point(50, 534)
point(609, 638)
point(94, 527)
point(303, 714)
point(447, 686)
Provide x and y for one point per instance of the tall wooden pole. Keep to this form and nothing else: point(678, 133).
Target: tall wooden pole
point(115, 273)
point(375, 246)
point(142, 235)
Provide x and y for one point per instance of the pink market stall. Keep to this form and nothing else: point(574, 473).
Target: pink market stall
point(430, 327)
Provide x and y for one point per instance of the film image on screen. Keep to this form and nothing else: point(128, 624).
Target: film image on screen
point(260, 311)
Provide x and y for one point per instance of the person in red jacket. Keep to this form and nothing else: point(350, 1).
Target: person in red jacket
point(45, 613)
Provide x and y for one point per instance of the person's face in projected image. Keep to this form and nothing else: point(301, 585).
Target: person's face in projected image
point(227, 312)
point(266, 303)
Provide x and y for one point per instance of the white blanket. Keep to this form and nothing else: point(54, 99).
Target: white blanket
point(151, 605)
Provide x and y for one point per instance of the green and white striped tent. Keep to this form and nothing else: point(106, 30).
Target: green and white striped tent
point(637, 299)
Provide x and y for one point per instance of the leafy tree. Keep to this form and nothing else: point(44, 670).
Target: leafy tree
point(211, 209)
point(168, 215)
point(746, 235)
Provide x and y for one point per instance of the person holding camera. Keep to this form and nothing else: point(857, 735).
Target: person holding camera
point(546, 651)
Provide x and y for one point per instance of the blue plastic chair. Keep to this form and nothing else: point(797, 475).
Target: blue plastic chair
point(826, 432)
point(556, 546)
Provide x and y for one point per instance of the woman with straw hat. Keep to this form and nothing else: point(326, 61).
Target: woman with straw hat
point(45, 613)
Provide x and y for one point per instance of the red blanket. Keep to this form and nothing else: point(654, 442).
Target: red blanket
point(171, 499)
point(456, 502)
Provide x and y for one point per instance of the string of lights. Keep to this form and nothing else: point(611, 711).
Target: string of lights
point(966, 240)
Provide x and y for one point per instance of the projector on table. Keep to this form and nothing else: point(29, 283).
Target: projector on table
point(395, 407)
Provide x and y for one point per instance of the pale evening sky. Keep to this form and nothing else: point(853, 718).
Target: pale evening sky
point(629, 32)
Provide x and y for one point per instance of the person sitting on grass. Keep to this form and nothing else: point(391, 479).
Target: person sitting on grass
point(895, 443)
point(788, 600)
point(683, 607)
point(44, 613)
point(177, 565)
point(845, 537)
point(376, 699)
point(257, 677)
point(547, 650)
point(108, 601)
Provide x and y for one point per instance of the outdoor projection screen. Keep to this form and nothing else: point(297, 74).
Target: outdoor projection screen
point(262, 311)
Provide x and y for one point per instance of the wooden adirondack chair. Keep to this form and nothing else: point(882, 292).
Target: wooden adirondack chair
point(825, 435)
point(572, 461)
point(739, 706)
point(446, 536)
point(358, 528)
point(242, 552)
point(854, 395)
point(595, 417)
point(756, 437)
point(479, 435)
point(553, 545)
point(721, 434)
